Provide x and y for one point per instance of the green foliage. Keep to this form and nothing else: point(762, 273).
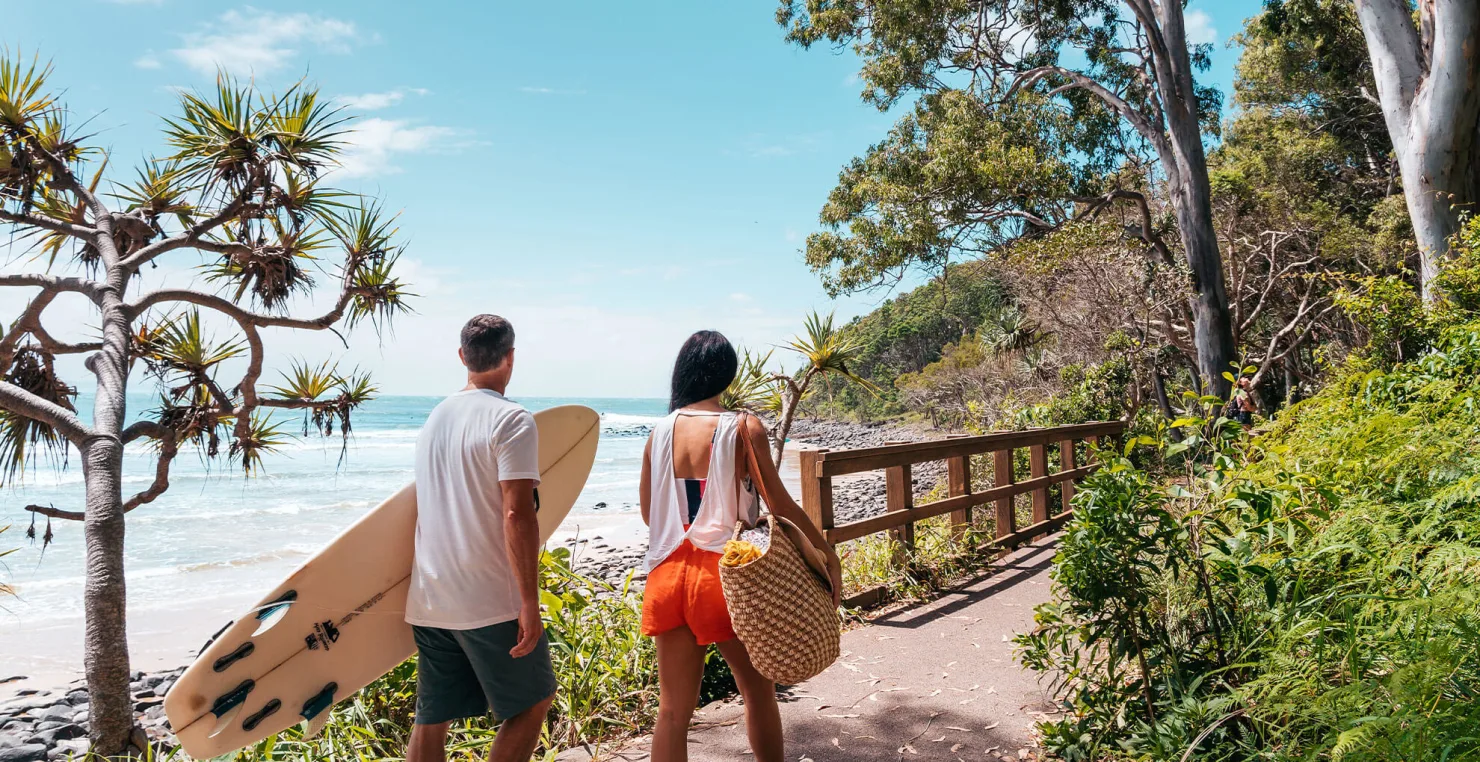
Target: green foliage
point(957, 175)
point(908, 332)
point(1305, 595)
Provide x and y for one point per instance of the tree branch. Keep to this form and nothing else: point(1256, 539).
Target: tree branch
point(1151, 132)
point(56, 513)
point(193, 237)
point(23, 403)
point(239, 313)
point(91, 289)
point(30, 323)
point(168, 448)
point(47, 223)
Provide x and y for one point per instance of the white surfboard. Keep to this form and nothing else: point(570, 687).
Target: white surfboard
point(338, 622)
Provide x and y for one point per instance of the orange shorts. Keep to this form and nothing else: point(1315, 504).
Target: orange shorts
point(684, 591)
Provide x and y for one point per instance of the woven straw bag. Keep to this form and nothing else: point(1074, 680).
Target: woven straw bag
point(780, 609)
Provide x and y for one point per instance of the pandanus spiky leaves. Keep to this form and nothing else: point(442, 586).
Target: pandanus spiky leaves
point(262, 437)
point(22, 96)
point(180, 350)
point(305, 131)
point(268, 264)
point(827, 351)
point(378, 295)
point(21, 438)
point(161, 190)
point(304, 382)
point(218, 137)
point(370, 255)
point(55, 206)
point(753, 384)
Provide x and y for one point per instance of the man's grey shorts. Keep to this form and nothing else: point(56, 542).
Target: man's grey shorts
point(467, 673)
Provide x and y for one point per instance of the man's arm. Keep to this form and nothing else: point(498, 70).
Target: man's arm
point(522, 543)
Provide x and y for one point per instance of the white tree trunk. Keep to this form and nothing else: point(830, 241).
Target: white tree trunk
point(1428, 82)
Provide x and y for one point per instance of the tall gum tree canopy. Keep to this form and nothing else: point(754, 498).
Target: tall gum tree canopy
point(1428, 84)
point(1112, 82)
point(238, 196)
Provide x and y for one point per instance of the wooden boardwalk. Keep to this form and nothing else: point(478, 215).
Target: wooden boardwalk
point(932, 682)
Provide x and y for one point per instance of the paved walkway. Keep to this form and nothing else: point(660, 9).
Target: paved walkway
point(933, 682)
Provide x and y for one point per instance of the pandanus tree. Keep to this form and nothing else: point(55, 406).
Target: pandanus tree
point(826, 353)
point(239, 195)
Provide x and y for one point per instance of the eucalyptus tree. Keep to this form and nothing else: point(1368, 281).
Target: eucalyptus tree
point(239, 194)
point(1070, 107)
point(1428, 85)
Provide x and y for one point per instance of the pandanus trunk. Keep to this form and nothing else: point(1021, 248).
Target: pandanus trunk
point(105, 648)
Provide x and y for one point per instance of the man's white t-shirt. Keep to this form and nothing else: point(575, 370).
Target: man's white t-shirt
point(461, 578)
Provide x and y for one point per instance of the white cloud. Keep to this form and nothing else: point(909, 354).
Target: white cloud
point(1200, 28)
point(377, 101)
point(550, 91)
point(373, 144)
point(149, 61)
point(252, 41)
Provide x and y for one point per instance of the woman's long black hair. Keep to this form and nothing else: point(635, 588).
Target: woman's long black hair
point(705, 367)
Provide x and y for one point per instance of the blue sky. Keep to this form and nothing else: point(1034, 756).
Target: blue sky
point(610, 176)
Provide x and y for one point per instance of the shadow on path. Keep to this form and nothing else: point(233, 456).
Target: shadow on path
point(936, 681)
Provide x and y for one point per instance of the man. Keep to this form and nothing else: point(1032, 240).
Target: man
point(474, 598)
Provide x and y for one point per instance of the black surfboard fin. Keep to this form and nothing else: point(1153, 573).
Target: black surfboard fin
point(228, 705)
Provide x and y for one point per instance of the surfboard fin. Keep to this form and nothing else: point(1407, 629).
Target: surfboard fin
point(229, 705)
point(316, 710)
point(313, 726)
point(270, 614)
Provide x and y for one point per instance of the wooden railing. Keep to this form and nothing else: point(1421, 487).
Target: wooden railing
point(819, 467)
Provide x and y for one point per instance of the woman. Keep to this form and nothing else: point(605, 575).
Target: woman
point(700, 472)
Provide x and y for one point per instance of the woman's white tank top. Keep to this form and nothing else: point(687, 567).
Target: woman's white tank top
point(727, 498)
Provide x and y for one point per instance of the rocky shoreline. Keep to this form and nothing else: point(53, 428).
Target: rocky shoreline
point(45, 725)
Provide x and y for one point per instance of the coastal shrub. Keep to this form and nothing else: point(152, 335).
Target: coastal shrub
point(1308, 594)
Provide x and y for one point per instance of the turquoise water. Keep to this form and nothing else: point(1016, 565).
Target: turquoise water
point(217, 540)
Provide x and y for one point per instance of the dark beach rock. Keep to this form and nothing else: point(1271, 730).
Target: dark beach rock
point(57, 713)
point(30, 752)
point(50, 736)
point(77, 698)
point(145, 703)
point(12, 679)
point(73, 748)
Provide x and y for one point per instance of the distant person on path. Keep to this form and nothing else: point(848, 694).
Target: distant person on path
point(474, 601)
point(700, 474)
point(1242, 404)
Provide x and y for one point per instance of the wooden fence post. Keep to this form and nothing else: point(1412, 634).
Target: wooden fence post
point(899, 495)
point(1002, 476)
point(958, 478)
point(1067, 462)
point(817, 498)
point(1038, 468)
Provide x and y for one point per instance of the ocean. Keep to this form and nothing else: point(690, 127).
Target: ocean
point(217, 541)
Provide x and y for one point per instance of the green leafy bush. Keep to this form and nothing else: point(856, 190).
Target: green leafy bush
point(1305, 595)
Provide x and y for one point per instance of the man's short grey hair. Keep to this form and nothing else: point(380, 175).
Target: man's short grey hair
point(486, 341)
